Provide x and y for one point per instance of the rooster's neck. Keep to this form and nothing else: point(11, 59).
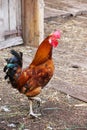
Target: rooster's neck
point(44, 52)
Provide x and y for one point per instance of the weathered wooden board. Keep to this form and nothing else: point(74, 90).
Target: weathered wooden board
point(18, 13)
point(64, 8)
point(1, 22)
point(5, 10)
point(11, 42)
point(77, 92)
point(12, 14)
point(52, 13)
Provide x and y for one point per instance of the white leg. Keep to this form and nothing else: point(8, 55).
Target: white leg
point(36, 99)
point(31, 111)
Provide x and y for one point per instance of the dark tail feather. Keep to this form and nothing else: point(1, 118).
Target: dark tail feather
point(12, 65)
point(18, 56)
point(5, 68)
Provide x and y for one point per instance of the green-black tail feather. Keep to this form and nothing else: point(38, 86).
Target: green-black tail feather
point(12, 65)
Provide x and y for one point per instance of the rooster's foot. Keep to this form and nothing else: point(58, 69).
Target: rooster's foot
point(33, 115)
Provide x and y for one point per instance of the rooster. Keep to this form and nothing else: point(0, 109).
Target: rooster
point(31, 81)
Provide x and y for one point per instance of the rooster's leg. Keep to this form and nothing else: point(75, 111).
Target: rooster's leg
point(36, 99)
point(32, 114)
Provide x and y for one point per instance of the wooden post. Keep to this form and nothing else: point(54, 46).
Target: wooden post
point(33, 21)
point(1, 23)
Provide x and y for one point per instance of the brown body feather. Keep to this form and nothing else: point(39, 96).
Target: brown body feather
point(33, 79)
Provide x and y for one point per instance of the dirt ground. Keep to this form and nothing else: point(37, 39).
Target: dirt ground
point(59, 111)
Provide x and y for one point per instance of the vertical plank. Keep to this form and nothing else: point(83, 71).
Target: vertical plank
point(1, 16)
point(18, 12)
point(1, 22)
point(33, 22)
point(12, 14)
point(23, 19)
point(5, 14)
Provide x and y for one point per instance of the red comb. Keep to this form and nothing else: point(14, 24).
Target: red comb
point(57, 34)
